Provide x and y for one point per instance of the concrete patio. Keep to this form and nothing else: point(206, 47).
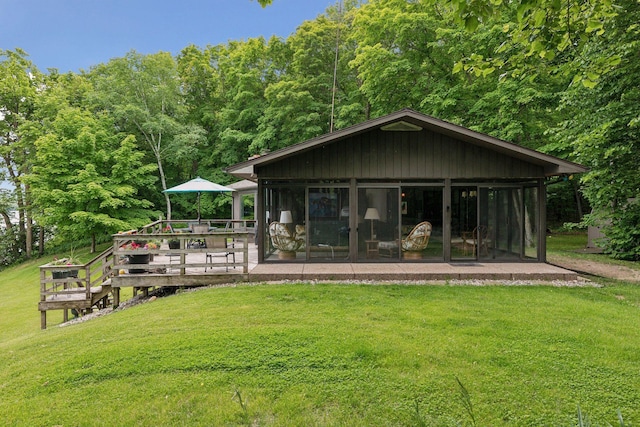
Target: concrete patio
point(409, 271)
point(389, 271)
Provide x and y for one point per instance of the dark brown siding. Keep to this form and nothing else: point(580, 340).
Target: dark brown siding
point(399, 155)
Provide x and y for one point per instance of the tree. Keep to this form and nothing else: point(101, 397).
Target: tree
point(602, 131)
point(143, 93)
point(319, 90)
point(245, 69)
point(86, 178)
point(20, 82)
point(536, 34)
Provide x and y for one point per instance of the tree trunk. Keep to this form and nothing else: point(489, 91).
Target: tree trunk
point(163, 180)
point(28, 223)
point(28, 236)
point(155, 147)
point(578, 200)
point(7, 220)
point(41, 241)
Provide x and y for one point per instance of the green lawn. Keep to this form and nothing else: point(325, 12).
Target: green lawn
point(327, 355)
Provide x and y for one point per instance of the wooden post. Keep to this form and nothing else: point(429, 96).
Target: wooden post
point(245, 255)
point(43, 319)
point(183, 255)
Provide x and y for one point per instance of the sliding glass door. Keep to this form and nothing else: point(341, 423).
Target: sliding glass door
point(467, 235)
point(378, 223)
point(328, 226)
point(502, 209)
point(487, 223)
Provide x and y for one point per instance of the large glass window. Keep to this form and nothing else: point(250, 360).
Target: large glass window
point(466, 233)
point(501, 210)
point(378, 223)
point(531, 222)
point(328, 226)
point(419, 205)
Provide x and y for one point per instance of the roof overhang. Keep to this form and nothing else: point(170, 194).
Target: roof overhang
point(410, 120)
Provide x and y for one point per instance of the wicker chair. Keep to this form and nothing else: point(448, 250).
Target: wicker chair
point(283, 240)
point(417, 240)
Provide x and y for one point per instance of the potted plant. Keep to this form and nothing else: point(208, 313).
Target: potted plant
point(173, 243)
point(141, 258)
point(64, 272)
point(152, 245)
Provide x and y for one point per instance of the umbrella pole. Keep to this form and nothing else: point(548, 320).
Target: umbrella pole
point(199, 207)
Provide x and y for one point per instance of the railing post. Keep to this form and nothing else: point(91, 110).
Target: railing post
point(116, 266)
point(183, 255)
point(245, 254)
point(87, 281)
point(43, 285)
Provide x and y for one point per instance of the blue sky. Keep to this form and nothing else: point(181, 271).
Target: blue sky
point(71, 35)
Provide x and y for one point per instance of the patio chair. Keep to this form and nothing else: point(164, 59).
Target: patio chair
point(284, 241)
point(219, 242)
point(477, 240)
point(417, 240)
point(198, 229)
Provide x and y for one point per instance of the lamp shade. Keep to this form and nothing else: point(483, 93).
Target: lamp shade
point(372, 213)
point(285, 217)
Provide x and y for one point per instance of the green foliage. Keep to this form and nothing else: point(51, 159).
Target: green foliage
point(602, 130)
point(86, 177)
point(536, 34)
point(20, 84)
point(10, 247)
point(143, 94)
point(621, 230)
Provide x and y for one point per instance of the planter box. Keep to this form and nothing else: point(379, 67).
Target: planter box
point(139, 259)
point(64, 274)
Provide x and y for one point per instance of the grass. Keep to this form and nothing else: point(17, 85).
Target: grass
point(571, 245)
point(328, 354)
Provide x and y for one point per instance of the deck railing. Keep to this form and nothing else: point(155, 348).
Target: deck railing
point(148, 250)
point(82, 286)
point(75, 286)
point(74, 281)
point(184, 225)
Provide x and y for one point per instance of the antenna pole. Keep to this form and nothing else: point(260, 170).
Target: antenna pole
point(335, 67)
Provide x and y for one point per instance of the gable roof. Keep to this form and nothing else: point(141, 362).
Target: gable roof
point(410, 120)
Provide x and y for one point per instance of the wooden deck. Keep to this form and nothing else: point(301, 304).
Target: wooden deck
point(142, 259)
point(79, 288)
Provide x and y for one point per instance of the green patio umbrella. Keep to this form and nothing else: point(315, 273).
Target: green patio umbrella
point(198, 185)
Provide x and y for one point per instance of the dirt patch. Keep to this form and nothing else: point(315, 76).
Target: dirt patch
point(594, 268)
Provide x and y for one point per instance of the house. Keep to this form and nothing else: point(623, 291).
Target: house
point(405, 187)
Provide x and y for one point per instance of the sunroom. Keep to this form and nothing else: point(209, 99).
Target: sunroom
point(405, 187)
